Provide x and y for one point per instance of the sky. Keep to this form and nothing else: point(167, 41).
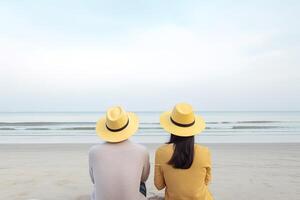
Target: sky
point(149, 55)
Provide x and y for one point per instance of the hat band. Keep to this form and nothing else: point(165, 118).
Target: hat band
point(119, 129)
point(182, 125)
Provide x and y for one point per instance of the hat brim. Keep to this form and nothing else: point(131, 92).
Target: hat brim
point(119, 136)
point(167, 124)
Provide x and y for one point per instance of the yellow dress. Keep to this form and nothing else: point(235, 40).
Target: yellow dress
point(183, 184)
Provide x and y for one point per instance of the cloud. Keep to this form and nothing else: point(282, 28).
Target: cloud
point(148, 55)
point(215, 69)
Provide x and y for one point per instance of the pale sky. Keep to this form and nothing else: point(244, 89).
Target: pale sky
point(149, 55)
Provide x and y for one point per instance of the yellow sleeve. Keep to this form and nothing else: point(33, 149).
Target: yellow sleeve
point(208, 176)
point(159, 180)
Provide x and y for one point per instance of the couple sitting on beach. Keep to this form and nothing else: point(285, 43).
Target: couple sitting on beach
point(119, 168)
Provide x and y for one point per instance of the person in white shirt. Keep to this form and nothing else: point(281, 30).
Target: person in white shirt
point(118, 168)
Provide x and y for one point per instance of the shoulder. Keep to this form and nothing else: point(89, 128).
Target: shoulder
point(163, 153)
point(164, 149)
point(93, 149)
point(141, 148)
point(202, 148)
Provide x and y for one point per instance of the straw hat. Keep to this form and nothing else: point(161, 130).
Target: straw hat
point(182, 121)
point(118, 125)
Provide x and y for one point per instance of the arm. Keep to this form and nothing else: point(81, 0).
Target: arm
point(159, 180)
point(208, 169)
point(146, 168)
point(208, 175)
point(91, 166)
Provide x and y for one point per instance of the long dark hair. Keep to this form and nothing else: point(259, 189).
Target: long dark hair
point(183, 155)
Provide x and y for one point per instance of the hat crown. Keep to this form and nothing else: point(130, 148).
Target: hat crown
point(183, 113)
point(116, 117)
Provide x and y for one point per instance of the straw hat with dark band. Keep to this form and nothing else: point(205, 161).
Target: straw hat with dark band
point(182, 121)
point(118, 125)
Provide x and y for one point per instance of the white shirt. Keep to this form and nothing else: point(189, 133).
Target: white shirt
point(116, 170)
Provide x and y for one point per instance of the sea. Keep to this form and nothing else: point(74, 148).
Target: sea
point(221, 127)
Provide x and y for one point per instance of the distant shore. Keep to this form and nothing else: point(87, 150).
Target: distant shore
point(60, 171)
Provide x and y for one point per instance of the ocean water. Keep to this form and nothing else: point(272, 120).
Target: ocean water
point(221, 127)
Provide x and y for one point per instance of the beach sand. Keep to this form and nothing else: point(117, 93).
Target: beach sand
point(60, 171)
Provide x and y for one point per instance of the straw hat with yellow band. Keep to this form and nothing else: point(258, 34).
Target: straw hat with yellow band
point(182, 121)
point(118, 125)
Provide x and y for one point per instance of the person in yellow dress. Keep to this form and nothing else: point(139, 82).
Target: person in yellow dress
point(182, 167)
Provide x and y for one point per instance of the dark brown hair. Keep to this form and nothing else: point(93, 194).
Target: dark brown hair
point(183, 155)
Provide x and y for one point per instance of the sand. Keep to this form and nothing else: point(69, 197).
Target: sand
point(60, 171)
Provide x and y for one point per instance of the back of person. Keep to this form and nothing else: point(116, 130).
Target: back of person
point(118, 169)
point(181, 184)
point(182, 167)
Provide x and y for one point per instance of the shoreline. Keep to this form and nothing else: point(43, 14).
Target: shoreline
point(60, 171)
